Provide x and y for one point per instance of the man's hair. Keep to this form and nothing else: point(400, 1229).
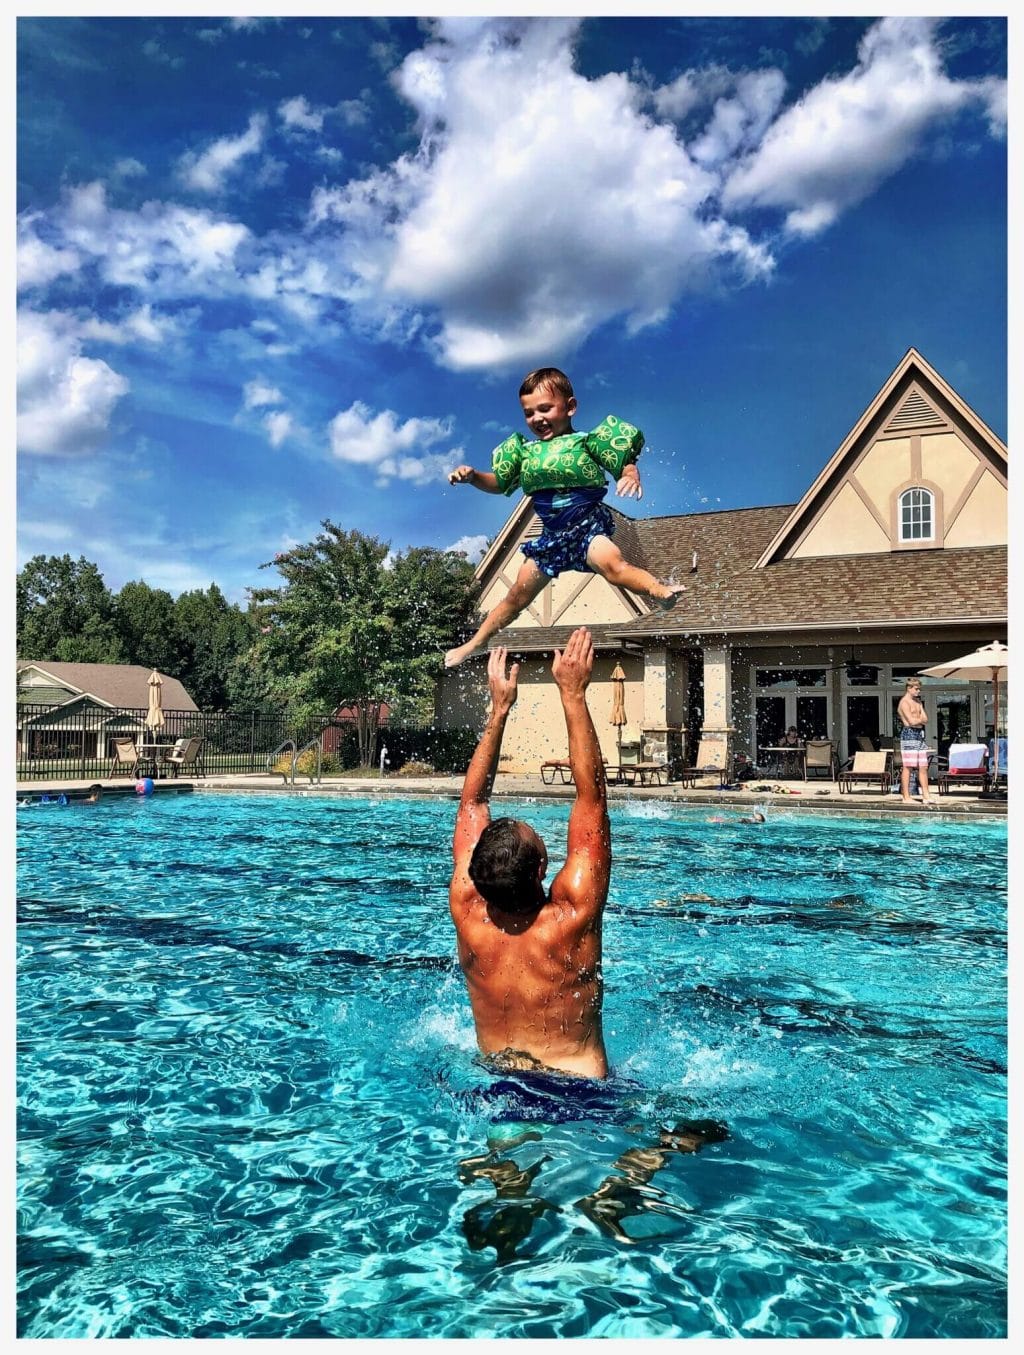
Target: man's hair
point(504, 867)
point(547, 376)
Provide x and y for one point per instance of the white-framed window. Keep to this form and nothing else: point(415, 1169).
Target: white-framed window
point(916, 515)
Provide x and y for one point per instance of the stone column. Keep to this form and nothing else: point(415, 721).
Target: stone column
point(665, 682)
point(717, 734)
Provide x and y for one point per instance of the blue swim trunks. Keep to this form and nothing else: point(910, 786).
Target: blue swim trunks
point(570, 519)
point(531, 1096)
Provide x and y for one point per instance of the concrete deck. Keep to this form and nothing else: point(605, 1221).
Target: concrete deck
point(813, 795)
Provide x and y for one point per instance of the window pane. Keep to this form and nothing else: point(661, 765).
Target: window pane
point(789, 678)
point(812, 717)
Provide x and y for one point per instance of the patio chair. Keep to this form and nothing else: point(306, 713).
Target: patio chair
point(869, 769)
point(820, 756)
point(186, 758)
point(968, 766)
point(125, 759)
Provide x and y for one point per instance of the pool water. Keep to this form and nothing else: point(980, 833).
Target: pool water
point(249, 1105)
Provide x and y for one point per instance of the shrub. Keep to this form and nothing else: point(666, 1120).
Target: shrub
point(416, 769)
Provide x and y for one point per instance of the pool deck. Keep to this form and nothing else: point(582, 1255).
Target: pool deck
point(816, 796)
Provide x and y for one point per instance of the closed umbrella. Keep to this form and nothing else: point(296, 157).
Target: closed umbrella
point(155, 714)
point(618, 704)
point(987, 664)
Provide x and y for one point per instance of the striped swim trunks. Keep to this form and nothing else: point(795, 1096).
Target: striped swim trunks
point(913, 747)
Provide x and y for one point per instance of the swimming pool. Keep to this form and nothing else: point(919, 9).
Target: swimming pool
point(249, 1104)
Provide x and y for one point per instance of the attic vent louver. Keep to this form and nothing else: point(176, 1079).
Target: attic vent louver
point(914, 411)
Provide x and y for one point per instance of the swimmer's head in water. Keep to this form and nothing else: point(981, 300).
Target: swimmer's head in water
point(508, 866)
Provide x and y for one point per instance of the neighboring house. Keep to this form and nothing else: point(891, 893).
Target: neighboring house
point(811, 614)
point(348, 715)
point(80, 707)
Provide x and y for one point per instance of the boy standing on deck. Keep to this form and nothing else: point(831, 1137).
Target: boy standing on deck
point(564, 473)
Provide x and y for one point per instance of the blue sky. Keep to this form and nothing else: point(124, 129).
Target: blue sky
point(272, 271)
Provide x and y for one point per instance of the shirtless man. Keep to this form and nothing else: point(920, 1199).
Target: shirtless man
point(913, 750)
point(532, 960)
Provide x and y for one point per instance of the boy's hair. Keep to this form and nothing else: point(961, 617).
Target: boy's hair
point(504, 867)
point(547, 376)
point(911, 682)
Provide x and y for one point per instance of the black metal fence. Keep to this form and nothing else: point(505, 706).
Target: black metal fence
point(75, 741)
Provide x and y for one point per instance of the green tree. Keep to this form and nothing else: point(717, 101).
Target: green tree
point(146, 625)
point(65, 612)
point(210, 635)
point(352, 625)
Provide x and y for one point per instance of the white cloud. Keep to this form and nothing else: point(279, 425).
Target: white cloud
point(838, 142)
point(390, 446)
point(206, 171)
point(38, 262)
point(258, 394)
point(473, 547)
point(355, 112)
point(459, 229)
point(129, 168)
point(692, 89)
point(161, 249)
point(278, 425)
point(740, 120)
point(298, 113)
point(65, 399)
point(144, 325)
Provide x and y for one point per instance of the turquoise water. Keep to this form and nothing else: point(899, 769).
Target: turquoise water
point(249, 1104)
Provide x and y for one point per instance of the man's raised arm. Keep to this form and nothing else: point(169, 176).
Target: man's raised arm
point(589, 853)
point(474, 808)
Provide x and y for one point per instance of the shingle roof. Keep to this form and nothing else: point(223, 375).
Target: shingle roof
point(726, 594)
point(119, 684)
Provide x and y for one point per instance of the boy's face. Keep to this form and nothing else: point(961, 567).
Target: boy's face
point(548, 413)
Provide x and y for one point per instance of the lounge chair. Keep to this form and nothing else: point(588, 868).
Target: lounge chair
point(644, 772)
point(870, 769)
point(968, 766)
point(706, 750)
point(819, 756)
point(186, 758)
point(125, 759)
point(556, 766)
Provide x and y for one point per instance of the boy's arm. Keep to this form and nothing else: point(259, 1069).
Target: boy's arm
point(474, 807)
point(479, 479)
point(615, 446)
point(585, 875)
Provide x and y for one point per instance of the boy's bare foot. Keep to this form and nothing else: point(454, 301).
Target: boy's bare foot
point(456, 656)
point(669, 600)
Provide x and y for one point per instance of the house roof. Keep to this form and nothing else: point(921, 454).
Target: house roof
point(913, 396)
point(118, 684)
point(727, 594)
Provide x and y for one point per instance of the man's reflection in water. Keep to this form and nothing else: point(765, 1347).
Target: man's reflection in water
point(507, 1220)
point(503, 1225)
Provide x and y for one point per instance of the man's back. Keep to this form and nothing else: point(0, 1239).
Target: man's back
point(534, 983)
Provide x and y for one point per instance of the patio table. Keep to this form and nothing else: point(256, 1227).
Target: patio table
point(794, 755)
point(153, 755)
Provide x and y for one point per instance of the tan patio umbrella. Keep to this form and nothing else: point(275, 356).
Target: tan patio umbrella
point(155, 714)
point(988, 664)
point(618, 718)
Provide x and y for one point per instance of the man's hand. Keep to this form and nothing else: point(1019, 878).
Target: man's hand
point(503, 689)
point(572, 667)
point(461, 475)
point(629, 486)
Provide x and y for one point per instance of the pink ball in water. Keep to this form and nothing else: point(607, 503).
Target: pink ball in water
point(145, 786)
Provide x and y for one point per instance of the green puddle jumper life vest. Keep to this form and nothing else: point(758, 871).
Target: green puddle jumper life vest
point(571, 461)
